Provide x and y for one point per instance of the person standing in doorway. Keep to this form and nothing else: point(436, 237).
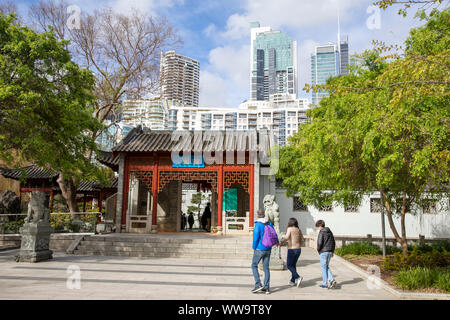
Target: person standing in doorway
point(294, 238)
point(191, 220)
point(261, 252)
point(206, 217)
point(325, 246)
point(183, 221)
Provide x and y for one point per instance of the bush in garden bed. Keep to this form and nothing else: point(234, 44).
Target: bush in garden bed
point(11, 227)
point(416, 258)
point(64, 223)
point(423, 278)
point(359, 248)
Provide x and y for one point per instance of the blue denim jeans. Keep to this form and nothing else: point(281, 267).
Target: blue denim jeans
point(291, 262)
point(265, 256)
point(325, 258)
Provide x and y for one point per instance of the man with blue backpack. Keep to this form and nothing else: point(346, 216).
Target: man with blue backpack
point(264, 238)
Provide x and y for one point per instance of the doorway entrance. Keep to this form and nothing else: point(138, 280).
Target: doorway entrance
point(195, 216)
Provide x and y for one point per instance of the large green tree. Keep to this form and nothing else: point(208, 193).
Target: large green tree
point(45, 102)
point(384, 128)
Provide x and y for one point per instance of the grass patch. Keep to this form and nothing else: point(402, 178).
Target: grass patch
point(423, 278)
point(358, 248)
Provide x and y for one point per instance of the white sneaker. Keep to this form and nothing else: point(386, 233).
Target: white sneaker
point(299, 281)
point(332, 284)
point(292, 283)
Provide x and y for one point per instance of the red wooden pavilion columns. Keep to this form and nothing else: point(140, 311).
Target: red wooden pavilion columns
point(155, 194)
point(252, 196)
point(220, 198)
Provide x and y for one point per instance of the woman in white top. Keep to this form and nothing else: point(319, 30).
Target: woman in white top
point(294, 238)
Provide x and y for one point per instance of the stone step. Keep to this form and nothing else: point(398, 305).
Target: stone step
point(217, 246)
point(168, 240)
point(162, 249)
point(144, 254)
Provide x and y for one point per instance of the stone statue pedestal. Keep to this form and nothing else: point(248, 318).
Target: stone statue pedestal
point(35, 245)
point(276, 262)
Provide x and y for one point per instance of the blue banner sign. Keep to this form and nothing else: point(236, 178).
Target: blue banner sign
point(196, 161)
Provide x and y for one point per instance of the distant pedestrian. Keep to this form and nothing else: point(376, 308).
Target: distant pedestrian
point(183, 221)
point(191, 220)
point(262, 252)
point(325, 246)
point(206, 217)
point(294, 238)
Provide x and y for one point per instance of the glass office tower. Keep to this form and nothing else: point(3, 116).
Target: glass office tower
point(273, 63)
point(328, 61)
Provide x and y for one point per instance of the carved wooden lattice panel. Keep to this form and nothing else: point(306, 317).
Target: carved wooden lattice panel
point(188, 176)
point(240, 177)
point(146, 177)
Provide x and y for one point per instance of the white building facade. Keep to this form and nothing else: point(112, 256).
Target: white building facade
point(283, 115)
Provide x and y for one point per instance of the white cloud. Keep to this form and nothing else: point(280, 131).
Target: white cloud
point(304, 60)
point(286, 13)
point(142, 5)
point(212, 89)
point(225, 81)
point(210, 30)
point(232, 62)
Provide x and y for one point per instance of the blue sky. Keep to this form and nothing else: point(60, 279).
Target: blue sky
point(216, 32)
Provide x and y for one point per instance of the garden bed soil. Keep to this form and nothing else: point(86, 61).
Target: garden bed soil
point(365, 261)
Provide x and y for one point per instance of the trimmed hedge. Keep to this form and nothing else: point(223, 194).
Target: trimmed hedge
point(359, 248)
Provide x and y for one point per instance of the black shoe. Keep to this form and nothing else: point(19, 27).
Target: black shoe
point(266, 291)
point(257, 289)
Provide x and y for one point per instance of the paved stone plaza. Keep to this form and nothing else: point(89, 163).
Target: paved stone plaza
point(171, 279)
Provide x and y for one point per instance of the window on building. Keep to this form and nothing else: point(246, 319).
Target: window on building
point(326, 208)
point(298, 205)
point(375, 205)
point(351, 209)
point(267, 115)
point(278, 183)
point(242, 115)
point(398, 207)
point(429, 207)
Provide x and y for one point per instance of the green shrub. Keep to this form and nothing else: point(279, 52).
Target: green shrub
point(359, 248)
point(443, 280)
point(415, 258)
point(12, 226)
point(422, 278)
point(65, 223)
point(440, 246)
point(391, 250)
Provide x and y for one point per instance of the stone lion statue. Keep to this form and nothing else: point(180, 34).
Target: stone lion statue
point(272, 211)
point(38, 207)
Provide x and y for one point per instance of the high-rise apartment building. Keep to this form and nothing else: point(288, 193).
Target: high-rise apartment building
point(180, 79)
point(273, 63)
point(328, 61)
point(150, 113)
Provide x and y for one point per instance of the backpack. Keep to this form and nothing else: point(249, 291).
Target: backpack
point(270, 237)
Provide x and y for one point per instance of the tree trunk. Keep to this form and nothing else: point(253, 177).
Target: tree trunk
point(404, 243)
point(69, 192)
point(391, 221)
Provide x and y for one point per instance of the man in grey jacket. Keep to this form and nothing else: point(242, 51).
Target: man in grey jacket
point(325, 246)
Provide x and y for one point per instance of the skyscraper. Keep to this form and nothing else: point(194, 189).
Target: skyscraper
point(180, 78)
point(273, 63)
point(328, 61)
